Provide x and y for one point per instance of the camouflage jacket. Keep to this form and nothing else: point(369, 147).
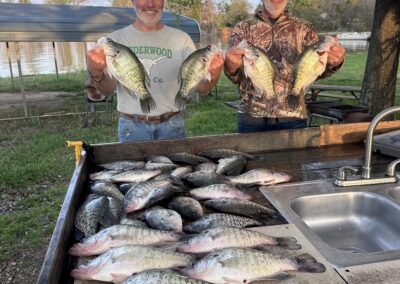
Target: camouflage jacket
point(283, 42)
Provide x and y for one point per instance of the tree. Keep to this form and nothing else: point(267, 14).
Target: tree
point(189, 8)
point(122, 3)
point(379, 84)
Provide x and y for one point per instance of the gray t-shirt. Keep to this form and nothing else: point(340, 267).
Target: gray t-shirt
point(162, 53)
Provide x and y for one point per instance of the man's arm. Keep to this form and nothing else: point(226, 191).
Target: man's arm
point(97, 69)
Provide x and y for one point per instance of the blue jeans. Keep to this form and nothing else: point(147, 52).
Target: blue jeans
point(247, 123)
point(129, 131)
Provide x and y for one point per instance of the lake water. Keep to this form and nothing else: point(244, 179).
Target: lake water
point(38, 58)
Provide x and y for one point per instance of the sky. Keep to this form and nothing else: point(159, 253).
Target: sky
point(254, 3)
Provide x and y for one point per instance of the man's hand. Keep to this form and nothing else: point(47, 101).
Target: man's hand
point(96, 61)
point(336, 55)
point(233, 60)
point(216, 65)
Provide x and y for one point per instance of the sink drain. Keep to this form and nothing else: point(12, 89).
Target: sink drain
point(353, 249)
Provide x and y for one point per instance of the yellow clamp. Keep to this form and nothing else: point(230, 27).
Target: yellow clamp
point(78, 149)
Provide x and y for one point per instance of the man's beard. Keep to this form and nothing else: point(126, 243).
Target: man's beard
point(148, 21)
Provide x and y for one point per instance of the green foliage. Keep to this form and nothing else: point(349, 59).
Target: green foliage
point(231, 12)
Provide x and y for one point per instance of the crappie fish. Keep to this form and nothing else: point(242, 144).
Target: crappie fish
point(203, 178)
point(160, 166)
point(260, 177)
point(231, 165)
point(218, 220)
point(160, 277)
point(106, 189)
point(193, 70)
point(310, 65)
point(206, 167)
point(184, 157)
point(89, 215)
point(103, 175)
point(131, 222)
point(125, 187)
point(187, 207)
point(159, 159)
point(135, 176)
point(243, 265)
point(260, 69)
point(224, 153)
point(117, 264)
point(164, 219)
point(181, 171)
point(146, 193)
point(112, 213)
point(127, 69)
point(123, 165)
point(241, 207)
point(121, 235)
point(218, 191)
point(218, 238)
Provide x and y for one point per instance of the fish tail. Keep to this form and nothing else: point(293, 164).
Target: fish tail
point(307, 263)
point(180, 100)
point(288, 243)
point(147, 104)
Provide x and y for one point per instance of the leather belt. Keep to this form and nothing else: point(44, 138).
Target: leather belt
point(149, 119)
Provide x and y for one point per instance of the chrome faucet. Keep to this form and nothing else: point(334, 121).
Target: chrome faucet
point(366, 169)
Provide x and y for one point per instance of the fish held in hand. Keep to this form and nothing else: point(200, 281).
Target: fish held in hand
point(194, 70)
point(126, 68)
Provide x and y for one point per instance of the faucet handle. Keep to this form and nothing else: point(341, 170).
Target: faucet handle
point(345, 169)
point(391, 168)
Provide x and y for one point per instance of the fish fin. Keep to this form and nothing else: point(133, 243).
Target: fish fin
point(117, 278)
point(147, 79)
point(228, 280)
point(288, 243)
point(208, 76)
point(307, 263)
point(131, 93)
point(180, 100)
point(148, 104)
point(277, 277)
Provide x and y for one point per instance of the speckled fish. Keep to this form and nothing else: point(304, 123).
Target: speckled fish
point(112, 213)
point(231, 165)
point(127, 69)
point(241, 207)
point(206, 167)
point(218, 238)
point(243, 265)
point(121, 235)
point(89, 215)
point(103, 175)
point(146, 193)
point(135, 175)
point(310, 65)
point(159, 159)
point(260, 177)
point(218, 191)
point(187, 207)
point(181, 171)
point(123, 165)
point(260, 69)
point(224, 153)
point(160, 277)
point(203, 178)
point(160, 166)
point(106, 189)
point(194, 70)
point(218, 220)
point(119, 263)
point(184, 157)
point(163, 219)
point(132, 222)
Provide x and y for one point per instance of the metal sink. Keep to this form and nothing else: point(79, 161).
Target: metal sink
point(351, 221)
point(349, 226)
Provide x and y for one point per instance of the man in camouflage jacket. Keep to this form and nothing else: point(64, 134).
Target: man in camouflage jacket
point(284, 38)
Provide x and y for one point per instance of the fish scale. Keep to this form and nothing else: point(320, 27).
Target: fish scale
point(89, 214)
point(160, 277)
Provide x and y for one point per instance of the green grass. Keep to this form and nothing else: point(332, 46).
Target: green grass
point(35, 165)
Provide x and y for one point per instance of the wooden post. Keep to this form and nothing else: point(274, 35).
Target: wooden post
point(21, 81)
point(10, 64)
point(55, 58)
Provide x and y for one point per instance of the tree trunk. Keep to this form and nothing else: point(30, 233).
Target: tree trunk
point(379, 84)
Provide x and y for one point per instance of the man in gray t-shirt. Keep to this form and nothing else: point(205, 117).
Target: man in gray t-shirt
point(162, 50)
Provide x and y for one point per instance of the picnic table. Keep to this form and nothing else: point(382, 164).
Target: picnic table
point(316, 90)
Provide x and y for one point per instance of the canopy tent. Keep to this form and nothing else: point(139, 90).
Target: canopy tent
point(47, 23)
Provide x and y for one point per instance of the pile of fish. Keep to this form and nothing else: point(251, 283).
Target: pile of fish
point(148, 222)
